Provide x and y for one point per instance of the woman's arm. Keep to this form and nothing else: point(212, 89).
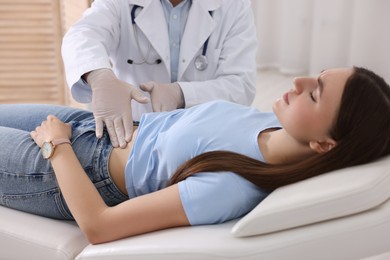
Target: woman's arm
point(100, 223)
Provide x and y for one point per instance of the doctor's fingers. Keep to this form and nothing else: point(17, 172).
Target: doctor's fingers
point(152, 87)
point(148, 86)
point(120, 132)
point(138, 96)
point(111, 132)
point(128, 127)
point(116, 132)
point(99, 127)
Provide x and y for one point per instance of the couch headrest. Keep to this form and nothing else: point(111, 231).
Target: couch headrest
point(328, 196)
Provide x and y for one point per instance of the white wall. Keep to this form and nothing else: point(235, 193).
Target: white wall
point(307, 36)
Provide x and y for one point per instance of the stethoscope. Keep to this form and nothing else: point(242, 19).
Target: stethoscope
point(200, 61)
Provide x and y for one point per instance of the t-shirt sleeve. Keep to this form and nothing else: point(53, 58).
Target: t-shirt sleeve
point(211, 198)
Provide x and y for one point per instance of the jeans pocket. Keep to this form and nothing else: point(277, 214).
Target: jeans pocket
point(110, 193)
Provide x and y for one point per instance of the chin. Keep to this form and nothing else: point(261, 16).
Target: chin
point(276, 105)
point(278, 110)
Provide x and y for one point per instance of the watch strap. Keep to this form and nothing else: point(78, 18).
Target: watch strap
point(59, 141)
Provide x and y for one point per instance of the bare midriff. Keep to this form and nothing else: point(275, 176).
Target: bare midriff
point(117, 163)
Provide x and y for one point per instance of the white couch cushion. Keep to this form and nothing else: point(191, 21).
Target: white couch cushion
point(353, 237)
point(26, 236)
point(336, 194)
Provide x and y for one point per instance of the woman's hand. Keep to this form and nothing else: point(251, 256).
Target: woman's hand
point(50, 129)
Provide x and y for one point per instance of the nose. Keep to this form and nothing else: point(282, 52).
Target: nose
point(302, 83)
point(298, 84)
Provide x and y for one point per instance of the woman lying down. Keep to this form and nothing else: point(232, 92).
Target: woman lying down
point(203, 165)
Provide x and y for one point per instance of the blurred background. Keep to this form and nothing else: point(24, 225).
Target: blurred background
point(31, 31)
point(296, 37)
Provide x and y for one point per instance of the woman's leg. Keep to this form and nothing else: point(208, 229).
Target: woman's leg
point(27, 181)
point(28, 116)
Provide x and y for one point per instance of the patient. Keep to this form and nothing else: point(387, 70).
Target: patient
point(207, 164)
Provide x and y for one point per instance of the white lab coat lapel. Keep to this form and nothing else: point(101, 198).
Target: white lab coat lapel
point(199, 27)
point(155, 32)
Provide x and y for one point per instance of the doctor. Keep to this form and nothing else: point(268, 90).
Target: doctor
point(160, 55)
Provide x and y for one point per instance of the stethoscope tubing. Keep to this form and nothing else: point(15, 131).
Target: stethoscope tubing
point(200, 62)
point(145, 58)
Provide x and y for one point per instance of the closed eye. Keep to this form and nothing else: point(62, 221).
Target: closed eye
point(312, 97)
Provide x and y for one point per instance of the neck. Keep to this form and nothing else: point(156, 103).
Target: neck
point(278, 147)
point(175, 2)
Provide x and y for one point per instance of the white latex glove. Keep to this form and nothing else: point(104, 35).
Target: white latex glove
point(165, 97)
point(111, 105)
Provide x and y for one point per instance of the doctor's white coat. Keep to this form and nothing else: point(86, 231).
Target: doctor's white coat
point(104, 38)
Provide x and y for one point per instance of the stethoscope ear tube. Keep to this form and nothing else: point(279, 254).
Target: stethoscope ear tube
point(144, 57)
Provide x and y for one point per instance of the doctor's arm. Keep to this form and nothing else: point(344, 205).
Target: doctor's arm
point(85, 51)
point(100, 223)
point(87, 44)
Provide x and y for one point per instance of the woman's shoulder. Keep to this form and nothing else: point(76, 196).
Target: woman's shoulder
point(210, 198)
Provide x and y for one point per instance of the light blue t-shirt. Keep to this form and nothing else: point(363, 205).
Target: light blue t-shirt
point(168, 139)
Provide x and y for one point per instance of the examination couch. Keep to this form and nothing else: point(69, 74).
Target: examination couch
point(343, 215)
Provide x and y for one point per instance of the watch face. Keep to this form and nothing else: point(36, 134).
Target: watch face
point(47, 150)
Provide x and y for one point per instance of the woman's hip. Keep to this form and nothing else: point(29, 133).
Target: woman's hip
point(28, 183)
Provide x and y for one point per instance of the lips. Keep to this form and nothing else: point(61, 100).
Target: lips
point(285, 98)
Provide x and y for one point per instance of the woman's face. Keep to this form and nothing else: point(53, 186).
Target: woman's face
point(308, 110)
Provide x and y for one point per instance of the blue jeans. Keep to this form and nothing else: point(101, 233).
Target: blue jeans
point(27, 181)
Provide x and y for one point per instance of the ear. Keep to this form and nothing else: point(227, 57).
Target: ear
point(323, 146)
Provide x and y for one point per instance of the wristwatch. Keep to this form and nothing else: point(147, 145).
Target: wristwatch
point(48, 147)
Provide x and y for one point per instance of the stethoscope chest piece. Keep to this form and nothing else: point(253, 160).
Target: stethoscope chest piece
point(201, 62)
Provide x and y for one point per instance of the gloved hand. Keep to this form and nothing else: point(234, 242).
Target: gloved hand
point(165, 97)
point(111, 105)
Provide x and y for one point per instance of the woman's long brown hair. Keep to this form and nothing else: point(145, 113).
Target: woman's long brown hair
point(361, 129)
